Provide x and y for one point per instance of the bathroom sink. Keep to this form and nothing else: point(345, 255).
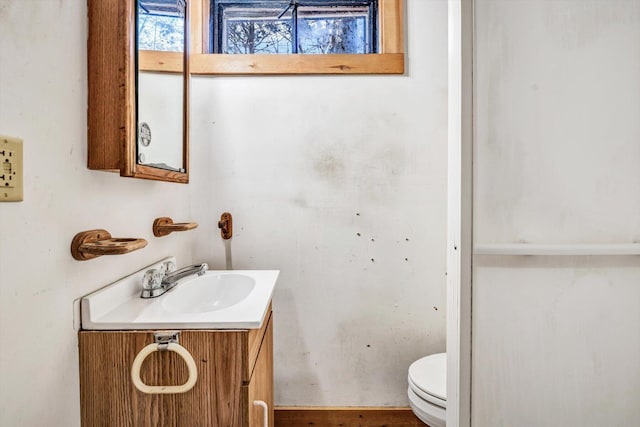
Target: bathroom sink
point(225, 299)
point(213, 291)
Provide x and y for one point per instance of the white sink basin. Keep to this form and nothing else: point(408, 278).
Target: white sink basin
point(227, 299)
point(213, 291)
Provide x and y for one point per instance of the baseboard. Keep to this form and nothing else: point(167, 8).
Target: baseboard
point(345, 417)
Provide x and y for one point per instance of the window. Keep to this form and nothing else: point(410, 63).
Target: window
point(161, 25)
point(303, 26)
point(240, 37)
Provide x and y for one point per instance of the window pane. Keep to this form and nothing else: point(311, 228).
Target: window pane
point(305, 26)
point(336, 30)
point(255, 31)
point(161, 25)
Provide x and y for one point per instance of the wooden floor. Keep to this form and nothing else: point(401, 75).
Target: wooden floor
point(345, 417)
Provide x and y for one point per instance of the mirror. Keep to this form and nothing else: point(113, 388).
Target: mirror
point(138, 71)
point(162, 35)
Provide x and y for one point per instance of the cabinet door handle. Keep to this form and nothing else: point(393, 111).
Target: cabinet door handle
point(174, 389)
point(265, 408)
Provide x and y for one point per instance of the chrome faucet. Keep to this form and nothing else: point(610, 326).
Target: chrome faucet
point(158, 281)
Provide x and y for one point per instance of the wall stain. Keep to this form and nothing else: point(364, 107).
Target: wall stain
point(331, 169)
point(373, 168)
point(300, 202)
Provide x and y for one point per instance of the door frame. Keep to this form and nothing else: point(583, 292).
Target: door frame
point(460, 212)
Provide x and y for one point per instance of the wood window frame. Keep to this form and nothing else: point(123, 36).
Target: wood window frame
point(390, 60)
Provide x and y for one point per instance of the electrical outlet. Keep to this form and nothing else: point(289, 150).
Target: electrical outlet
point(11, 186)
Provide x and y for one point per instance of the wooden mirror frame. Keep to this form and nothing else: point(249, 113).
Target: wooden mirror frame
point(112, 69)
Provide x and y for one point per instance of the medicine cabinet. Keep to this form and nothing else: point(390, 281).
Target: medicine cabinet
point(138, 71)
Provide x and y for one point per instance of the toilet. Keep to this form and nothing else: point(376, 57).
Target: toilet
point(428, 389)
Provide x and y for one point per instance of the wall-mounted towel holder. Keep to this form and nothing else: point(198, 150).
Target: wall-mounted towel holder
point(94, 243)
point(165, 226)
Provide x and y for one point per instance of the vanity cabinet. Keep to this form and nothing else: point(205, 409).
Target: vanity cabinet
point(234, 369)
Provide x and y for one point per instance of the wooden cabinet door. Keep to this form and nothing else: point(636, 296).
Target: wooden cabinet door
point(109, 398)
point(261, 385)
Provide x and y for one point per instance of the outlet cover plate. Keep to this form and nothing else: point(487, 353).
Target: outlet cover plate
point(11, 176)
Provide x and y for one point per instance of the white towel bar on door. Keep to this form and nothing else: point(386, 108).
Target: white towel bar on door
point(558, 249)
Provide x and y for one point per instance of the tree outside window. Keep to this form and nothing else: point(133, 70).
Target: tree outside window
point(303, 26)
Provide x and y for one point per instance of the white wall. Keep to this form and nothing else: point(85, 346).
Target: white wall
point(305, 164)
point(557, 145)
point(43, 99)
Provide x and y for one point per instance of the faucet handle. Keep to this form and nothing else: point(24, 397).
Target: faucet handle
point(168, 267)
point(152, 283)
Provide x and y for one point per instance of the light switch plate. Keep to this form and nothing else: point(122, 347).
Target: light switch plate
point(11, 182)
